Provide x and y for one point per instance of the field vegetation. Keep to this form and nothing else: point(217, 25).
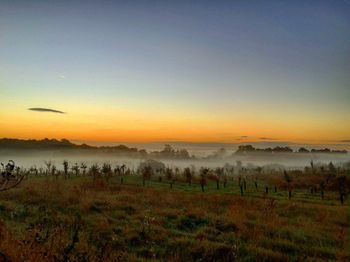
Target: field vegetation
point(111, 213)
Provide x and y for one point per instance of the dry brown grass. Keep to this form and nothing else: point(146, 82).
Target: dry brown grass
point(76, 220)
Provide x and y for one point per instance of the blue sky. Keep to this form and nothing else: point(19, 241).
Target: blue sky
point(283, 63)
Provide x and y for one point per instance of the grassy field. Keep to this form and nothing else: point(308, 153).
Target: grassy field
point(45, 219)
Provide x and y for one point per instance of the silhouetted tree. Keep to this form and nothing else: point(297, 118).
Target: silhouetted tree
point(312, 166)
point(106, 171)
point(332, 168)
point(203, 177)
point(146, 174)
point(219, 173)
point(33, 170)
point(188, 175)
point(95, 172)
point(53, 172)
point(170, 176)
point(122, 169)
point(322, 187)
point(65, 168)
point(83, 167)
point(75, 169)
point(342, 183)
point(303, 150)
point(225, 180)
point(8, 179)
point(48, 165)
point(288, 179)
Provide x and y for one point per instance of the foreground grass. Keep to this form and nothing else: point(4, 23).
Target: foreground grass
point(76, 220)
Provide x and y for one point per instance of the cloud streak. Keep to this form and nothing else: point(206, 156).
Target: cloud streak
point(40, 109)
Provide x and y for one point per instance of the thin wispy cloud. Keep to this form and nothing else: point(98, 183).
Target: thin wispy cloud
point(267, 138)
point(345, 141)
point(41, 109)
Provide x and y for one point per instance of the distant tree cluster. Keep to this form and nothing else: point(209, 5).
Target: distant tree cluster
point(280, 149)
point(63, 144)
point(170, 152)
point(327, 150)
point(44, 144)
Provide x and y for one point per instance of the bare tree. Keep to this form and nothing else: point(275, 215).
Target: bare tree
point(95, 172)
point(75, 169)
point(288, 180)
point(8, 179)
point(188, 175)
point(53, 172)
point(225, 180)
point(203, 177)
point(117, 170)
point(65, 168)
point(146, 174)
point(48, 165)
point(170, 176)
point(342, 184)
point(219, 174)
point(122, 169)
point(34, 171)
point(107, 171)
point(83, 167)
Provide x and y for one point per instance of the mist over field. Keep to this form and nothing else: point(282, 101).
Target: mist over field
point(204, 156)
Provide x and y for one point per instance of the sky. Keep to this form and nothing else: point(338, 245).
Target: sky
point(202, 71)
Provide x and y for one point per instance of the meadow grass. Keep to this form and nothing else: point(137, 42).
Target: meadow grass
point(77, 220)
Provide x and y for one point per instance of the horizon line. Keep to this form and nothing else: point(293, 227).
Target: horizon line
point(343, 142)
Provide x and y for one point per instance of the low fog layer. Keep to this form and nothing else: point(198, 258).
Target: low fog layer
point(28, 158)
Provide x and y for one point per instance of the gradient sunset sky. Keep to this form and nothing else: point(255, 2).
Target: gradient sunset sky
point(221, 71)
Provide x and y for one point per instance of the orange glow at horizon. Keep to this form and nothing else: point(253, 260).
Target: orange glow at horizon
point(148, 126)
